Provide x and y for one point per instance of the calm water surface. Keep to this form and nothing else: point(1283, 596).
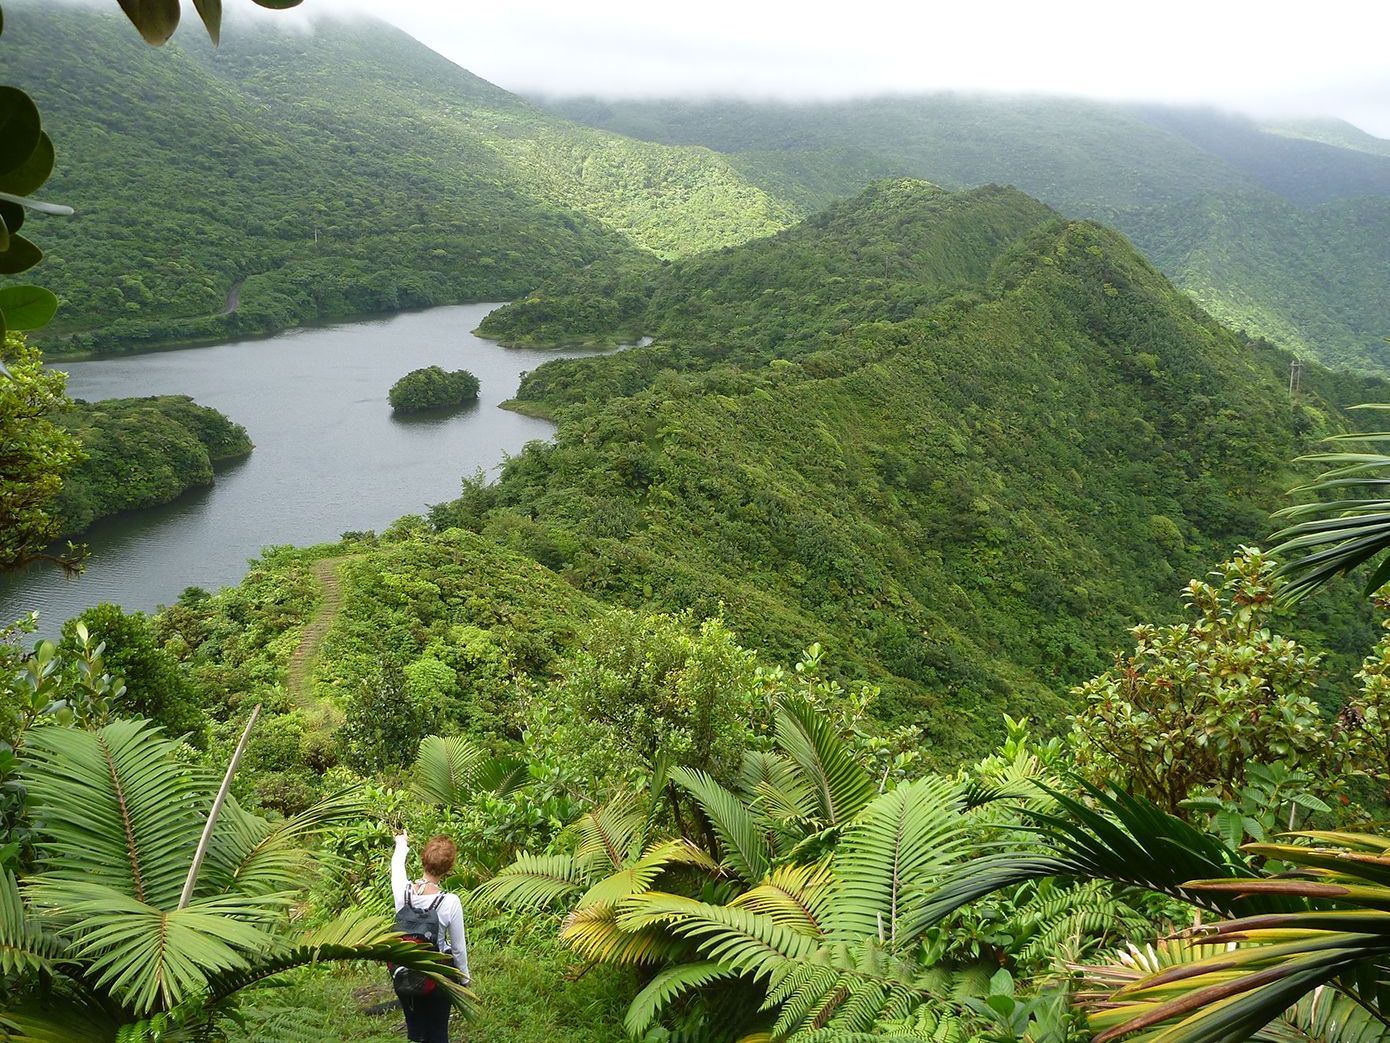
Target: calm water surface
point(329, 456)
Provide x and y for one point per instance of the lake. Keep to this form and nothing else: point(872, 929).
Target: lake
point(329, 457)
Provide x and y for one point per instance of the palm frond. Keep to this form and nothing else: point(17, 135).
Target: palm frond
point(450, 770)
point(665, 988)
point(116, 807)
point(533, 881)
point(611, 834)
point(353, 936)
point(1124, 839)
point(25, 946)
point(599, 934)
point(737, 938)
point(743, 838)
point(642, 874)
point(149, 958)
point(888, 855)
point(1333, 928)
point(250, 855)
point(1324, 1016)
point(1354, 531)
point(838, 783)
point(796, 896)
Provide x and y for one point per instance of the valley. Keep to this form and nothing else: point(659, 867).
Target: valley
point(896, 569)
point(329, 456)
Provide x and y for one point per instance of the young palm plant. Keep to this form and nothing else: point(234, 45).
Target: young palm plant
point(1322, 922)
point(799, 917)
point(106, 936)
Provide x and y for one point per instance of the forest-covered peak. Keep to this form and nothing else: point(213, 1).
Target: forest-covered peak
point(889, 253)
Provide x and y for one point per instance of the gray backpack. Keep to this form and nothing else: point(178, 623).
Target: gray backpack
point(418, 925)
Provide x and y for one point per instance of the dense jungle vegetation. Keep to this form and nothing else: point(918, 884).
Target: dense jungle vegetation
point(139, 452)
point(880, 655)
point(276, 146)
point(1279, 230)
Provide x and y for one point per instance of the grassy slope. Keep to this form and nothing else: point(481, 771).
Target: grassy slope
point(347, 171)
point(969, 504)
point(1277, 233)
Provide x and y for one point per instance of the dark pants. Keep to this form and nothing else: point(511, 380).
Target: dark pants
point(427, 1018)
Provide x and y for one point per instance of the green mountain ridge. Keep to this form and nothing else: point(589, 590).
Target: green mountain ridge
point(287, 178)
point(1277, 232)
point(968, 502)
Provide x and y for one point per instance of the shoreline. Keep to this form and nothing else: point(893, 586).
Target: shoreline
point(52, 358)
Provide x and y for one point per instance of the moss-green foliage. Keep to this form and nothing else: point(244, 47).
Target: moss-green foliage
point(291, 177)
point(889, 254)
point(437, 633)
point(432, 387)
point(1282, 234)
point(462, 622)
point(969, 505)
point(139, 452)
point(155, 687)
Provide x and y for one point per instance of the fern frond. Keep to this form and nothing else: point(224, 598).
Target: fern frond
point(665, 988)
point(533, 881)
point(743, 838)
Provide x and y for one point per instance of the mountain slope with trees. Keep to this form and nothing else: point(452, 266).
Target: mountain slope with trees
point(1280, 231)
point(968, 502)
point(291, 177)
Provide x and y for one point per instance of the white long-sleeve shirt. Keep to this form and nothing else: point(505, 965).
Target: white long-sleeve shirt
point(450, 909)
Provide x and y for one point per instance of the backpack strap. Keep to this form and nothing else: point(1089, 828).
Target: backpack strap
point(435, 904)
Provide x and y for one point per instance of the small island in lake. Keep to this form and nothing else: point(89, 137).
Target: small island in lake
point(433, 388)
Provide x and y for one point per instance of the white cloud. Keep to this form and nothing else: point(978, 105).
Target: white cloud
point(1270, 57)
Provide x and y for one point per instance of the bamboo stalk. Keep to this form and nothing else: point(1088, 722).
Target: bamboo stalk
point(192, 881)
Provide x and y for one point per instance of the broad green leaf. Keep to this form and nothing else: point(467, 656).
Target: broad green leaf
point(28, 177)
point(210, 11)
point(27, 307)
point(20, 257)
point(20, 129)
point(12, 214)
point(156, 19)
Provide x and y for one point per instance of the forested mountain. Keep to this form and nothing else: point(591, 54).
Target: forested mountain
point(1282, 231)
point(962, 440)
point(289, 177)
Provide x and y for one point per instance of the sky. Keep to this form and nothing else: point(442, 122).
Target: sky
point(1268, 58)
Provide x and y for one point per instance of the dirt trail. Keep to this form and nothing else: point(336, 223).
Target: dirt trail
point(302, 660)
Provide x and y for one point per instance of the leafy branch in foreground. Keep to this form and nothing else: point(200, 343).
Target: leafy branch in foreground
point(1348, 525)
point(157, 19)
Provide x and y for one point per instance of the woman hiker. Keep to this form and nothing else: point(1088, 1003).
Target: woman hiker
point(434, 915)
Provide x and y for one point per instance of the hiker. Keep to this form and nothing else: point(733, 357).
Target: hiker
point(428, 913)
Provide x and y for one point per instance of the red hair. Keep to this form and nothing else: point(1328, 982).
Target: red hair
point(438, 856)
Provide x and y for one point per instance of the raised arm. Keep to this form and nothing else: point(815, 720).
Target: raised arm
point(400, 882)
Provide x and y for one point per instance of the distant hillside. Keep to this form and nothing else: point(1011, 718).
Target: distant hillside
point(291, 177)
point(1280, 231)
point(968, 501)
